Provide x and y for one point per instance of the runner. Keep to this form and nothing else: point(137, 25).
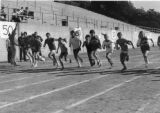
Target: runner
point(88, 48)
point(75, 42)
point(27, 45)
point(64, 51)
point(123, 43)
point(51, 44)
point(95, 45)
point(144, 45)
point(107, 44)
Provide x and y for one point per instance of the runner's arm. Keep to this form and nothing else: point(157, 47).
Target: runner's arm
point(80, 43)
point(44, 45)
point(69, 42)
point(83, 44)
point(116, 45)
point(57, 49)
point(130, 42)
point(103, 46)
point(152, 42)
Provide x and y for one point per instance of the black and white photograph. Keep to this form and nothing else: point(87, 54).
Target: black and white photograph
point(87, 56)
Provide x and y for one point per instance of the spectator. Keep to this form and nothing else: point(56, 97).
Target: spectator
point(15, 17)
point(3, 14)
point(22, 47)
point(21, 13)
point(8, 46)
point(26, 11)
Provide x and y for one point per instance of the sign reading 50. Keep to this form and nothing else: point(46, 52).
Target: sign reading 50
point(6, 28)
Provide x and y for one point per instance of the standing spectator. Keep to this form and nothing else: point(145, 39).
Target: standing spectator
point(21, 13)
point(8, 46)
point(15, 17)
point(22, 47)
point(26, 11)
point(3, 14)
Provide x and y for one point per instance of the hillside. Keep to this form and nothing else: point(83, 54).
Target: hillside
point(122, 10)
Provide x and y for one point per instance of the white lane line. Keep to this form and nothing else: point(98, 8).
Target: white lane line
point(50, 92)
point(23, 86)
point(94, 96)
point(158, 67)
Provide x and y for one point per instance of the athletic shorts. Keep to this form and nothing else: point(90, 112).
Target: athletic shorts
point(63, 54)
point(124, 56)
point(36, 49)
point(76, 51)
point(145, 48)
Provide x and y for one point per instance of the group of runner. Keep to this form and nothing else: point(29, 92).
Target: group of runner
point(33, 44)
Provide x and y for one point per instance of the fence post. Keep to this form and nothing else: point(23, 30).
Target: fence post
point(101, 24)
point(40, 11)
point(42, 17)
point(107, 25)
point(94, 23)
point(56, 19)
point(86, 23)
point(67, 20)
point(97, 23)
point(62, 11)
point(78, 21)
point(8, 13)
point(53, 15)
point(123, 27)
point(113, 25)
point(73, 15)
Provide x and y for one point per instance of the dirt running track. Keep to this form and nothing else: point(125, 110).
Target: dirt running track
point(82, 90)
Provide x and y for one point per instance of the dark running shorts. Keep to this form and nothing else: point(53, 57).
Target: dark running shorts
point(145, 48)
point(63, 54)
point(36, 49)
point(76, 51)
point(124, 57)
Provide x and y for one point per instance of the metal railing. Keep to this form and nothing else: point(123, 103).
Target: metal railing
point(57, 17)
